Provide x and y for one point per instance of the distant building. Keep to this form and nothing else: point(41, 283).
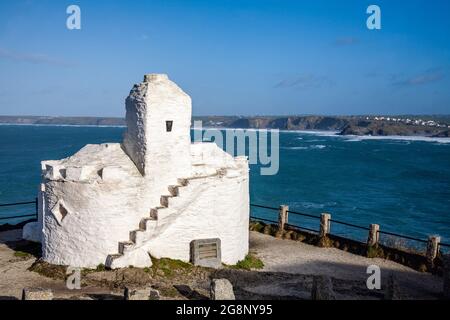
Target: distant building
point(153, 194)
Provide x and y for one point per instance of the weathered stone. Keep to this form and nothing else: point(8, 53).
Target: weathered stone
point(37, 294)
point(322, 288)
point(137, 294)
point(222, 289)
point(141, 294)
point(154, 294)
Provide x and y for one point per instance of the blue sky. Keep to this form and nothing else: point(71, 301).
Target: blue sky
point(233, 57)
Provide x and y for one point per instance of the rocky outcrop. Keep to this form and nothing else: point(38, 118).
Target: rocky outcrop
point(379, 128)
point(443, 134)
point(288, 123)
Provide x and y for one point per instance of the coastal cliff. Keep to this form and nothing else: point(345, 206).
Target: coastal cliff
point(345, 125)
point(372, 128)
point(432, 126)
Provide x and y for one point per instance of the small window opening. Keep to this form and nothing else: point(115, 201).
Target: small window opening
point(169, 125)
point(62, 211)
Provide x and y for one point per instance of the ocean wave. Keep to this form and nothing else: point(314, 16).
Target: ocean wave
point(313, 205)
point(316, 140)
point(295, 148)
point(315, 146)
point(354, 138)
point(406, 139)
point(323, 133)
point(318, 146)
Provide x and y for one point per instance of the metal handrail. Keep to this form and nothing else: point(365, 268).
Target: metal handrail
point(349, 224)
point(17, 203)
point(402, 236)
point(35, 202)
point(253, 217)
point(346, 224)
point(16, 217)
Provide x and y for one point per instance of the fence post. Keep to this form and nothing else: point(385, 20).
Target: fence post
point(432, 248)
point(374, 236)
point(282, 217)
point(324, 224)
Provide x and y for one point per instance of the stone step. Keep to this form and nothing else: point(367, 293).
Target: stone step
point(165, 200)
point(110, 259)
point(125, 246)
point(138, 236)
point(138, 258)
point(174, 190)
point(164, 213)
point(183, 182)
point(148, 224)
point(154, 212)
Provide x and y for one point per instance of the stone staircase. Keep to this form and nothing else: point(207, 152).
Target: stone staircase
point(132, 252)
point(146, 229)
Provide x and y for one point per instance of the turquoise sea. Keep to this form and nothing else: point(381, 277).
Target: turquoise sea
point(403, 185)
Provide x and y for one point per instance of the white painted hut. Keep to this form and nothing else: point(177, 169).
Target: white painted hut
point(153, 194)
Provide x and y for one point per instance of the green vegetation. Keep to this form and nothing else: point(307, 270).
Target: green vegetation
point(147, 269)
point(21, 254)
point(257, 226)
point(325, 242)
point(169, 267)
point(100, 267)
point(375, 252)
point(48, 270)
point(170, 292)
point(250, 262)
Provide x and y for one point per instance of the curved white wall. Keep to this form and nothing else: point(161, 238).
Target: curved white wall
point(215, 207)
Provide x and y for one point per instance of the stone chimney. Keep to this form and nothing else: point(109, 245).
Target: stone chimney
point(158, 117)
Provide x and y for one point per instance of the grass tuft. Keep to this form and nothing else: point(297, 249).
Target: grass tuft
point(169, 266)
point(21, 254)
point(100, 267)
point(250, 262)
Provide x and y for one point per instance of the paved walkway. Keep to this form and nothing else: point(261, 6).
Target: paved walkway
point(295, 257)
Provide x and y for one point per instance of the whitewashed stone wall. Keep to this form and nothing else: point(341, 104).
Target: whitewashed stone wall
point(94, 199)
point(160, 155)
point(101, 207)
point(212, 207)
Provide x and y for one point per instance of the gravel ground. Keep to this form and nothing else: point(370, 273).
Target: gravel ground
point(289, 267)
point(298, 258)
